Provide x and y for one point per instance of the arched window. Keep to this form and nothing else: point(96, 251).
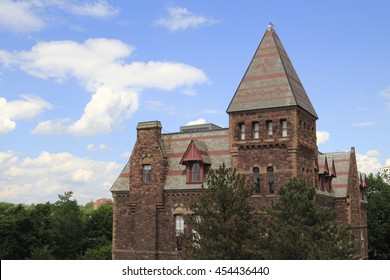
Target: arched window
point(179, 229)
point(256, 179)
point(270, 177)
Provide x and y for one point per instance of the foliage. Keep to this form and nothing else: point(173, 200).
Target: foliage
point(296, 227)
point(299, 229)
point(63, 230)
point(222, 220)
point(378, 217)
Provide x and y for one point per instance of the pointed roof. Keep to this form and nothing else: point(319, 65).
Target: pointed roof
point(196, 151)
point(270, 80)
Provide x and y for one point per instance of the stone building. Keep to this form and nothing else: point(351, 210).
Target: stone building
point(271, 138)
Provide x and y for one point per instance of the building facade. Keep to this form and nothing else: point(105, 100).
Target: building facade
point(271, 138)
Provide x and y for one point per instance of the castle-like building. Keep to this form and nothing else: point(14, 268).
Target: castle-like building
point(271, 138)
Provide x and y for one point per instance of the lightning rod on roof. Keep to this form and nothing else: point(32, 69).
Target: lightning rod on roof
point(270, 26)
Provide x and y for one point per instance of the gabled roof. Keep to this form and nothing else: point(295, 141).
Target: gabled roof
point(270, 80)
point(196, 151)
point(341, 161)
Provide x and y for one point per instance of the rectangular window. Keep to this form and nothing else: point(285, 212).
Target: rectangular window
point(147, 171)
point(270, 130)
point(283, 125)
point(256, 133)
point(195, 172)
point(242, 131)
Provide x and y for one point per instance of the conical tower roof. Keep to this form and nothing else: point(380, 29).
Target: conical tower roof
point(270, 80)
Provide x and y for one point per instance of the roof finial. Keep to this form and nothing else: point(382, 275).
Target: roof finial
point(270, 27)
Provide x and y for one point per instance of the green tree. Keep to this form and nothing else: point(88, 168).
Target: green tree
point(298, 228)
point(43, 232)
point(16, 232)
point(223, 222)
point(98, 234)
point(378, 217)
point(68, 227)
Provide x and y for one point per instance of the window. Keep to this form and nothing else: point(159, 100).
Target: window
point(256, 179)
point(179, 229)
point(195, 172)
point(242, 131)
point(270, 177)
point(283, 125)
point(147, 172)
point(270, 130)
point(255, 127)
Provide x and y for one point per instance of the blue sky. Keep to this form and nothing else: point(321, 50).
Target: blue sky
point(77, 76)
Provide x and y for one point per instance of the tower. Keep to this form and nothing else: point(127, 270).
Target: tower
point(272, 121)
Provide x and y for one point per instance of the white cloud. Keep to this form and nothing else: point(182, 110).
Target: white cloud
point(181, 18)
point(368, 163)
point(41, 179)
point(362, 124)
point(19, 16)
point(100, 147)
point(31, 16)
point(385, 92)
point(198, 121)
point(98, 9)
point(322, 137)
point(26, 108)
point(99, 66)
point(126, 154)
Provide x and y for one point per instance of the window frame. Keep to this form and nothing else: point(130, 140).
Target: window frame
point(190, 172)
point(147, 173)
point(256, 130)
point(241, 133)
point(271, 179)
point(179, 229)
point(284, 128)
point(270, 128)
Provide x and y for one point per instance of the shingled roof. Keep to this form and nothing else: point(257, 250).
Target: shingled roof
point(270, 80)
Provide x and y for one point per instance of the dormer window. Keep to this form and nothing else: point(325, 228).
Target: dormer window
point(196, 172)
point(197, 160)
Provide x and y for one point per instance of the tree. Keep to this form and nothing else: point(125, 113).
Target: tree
point(68, 227)
point(223, 223)
point(378, 217)
point(298, 228)
point(16, 233)
point(98, 234)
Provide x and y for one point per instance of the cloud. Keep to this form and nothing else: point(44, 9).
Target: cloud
point(198, 121)
point(31, 16)
point(181, 18)
point(126, 154)
point(26, 108)
point(322, 137)
point(368, 163)
point(19, 16)
point(100, 147)
point(98, 9)
point(385, 92)
point(36, 180)
point(362, 124)
point(99, 66)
